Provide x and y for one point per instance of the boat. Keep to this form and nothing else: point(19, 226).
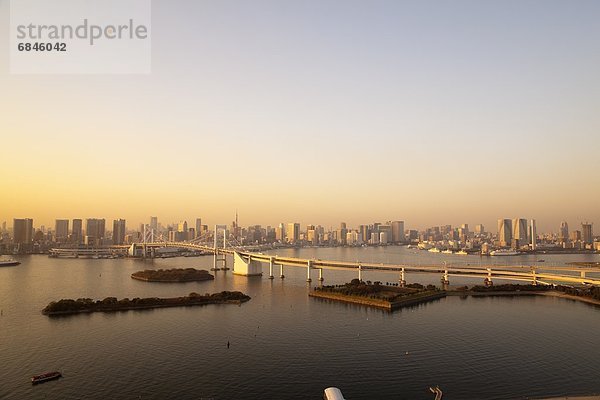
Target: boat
point(434, 250)
point(333, 393)
point(541, 260)
point(504, 252)
point(48, 376)
point(9, 262)
point(448, 251)
point(462, 253)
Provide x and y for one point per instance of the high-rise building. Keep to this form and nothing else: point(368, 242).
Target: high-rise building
point(61, 230)
point(76, 233)
point(520, 229)
point(280, 233)
point(479, 229)
point(118, 231)
point(504, 232)
point(587, 234)
point(293, 232)
point(342, 233)
point(198, 226)
point(95, 229)
point(154, 224)
point(3, 226)
point(563, 232)
point(398, 231)
point(22, 230)
point(533, 234)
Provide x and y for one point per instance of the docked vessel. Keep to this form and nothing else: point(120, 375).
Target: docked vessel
point(448, 251)
point(434, 250)
point(8, 262)
point(462, 253)
point(48, 376)
point(503, 252)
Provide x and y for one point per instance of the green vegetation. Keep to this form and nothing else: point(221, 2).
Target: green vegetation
point(512, 287)
point(377, 290)
point(69, 306)
point(173, 275)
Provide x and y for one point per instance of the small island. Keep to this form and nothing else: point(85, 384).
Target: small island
point(111, 304)
point(393, 296)
point(378, 295)
point(173, 275)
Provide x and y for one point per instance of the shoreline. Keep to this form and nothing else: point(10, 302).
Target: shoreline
point(395, 305)
point(378, 303)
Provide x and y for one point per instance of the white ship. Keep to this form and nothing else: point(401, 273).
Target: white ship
point(462, 253)
point(434, 250)
point(503, 252)
point(448, 251)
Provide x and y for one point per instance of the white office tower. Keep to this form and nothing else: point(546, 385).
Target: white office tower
point(533, 234)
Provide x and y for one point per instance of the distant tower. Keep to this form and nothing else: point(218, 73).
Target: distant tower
point(519, 226)
point(587, 233)
point(563, 233)
point(533, 235)
point(504, 232)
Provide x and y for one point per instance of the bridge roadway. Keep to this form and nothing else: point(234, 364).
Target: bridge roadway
point(530, 274)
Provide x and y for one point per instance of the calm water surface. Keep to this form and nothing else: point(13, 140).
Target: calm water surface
point(284, 344)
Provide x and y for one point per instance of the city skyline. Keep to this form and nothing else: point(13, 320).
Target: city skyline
point(194, 222)
point(323, 113)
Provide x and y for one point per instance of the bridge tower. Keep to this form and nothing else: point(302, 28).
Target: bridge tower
point(216, 258)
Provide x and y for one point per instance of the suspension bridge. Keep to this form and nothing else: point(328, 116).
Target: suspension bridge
point(249, 262)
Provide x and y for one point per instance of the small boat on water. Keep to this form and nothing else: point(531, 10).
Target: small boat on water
point(448, 251)
point(434, 250)
point(8, 262)
point(48, 376)
point(462, 253)
point(504, 252)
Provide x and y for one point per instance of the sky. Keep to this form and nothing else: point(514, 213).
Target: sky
point(431, 112)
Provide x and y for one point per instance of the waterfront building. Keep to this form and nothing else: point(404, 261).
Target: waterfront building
point(95, 230)
point(504, 232)
point(61, 230)
point(520, 229)
point(383, 237)
point(533, 234)
point(292, 232)
point(198, 226)
point(341, 234)
point(374, 238)
point(398, 232)
point(77, 231)
point(587, 233)
point(280, 233)
point(563, 232)
point(118, 231)
point(22, 230)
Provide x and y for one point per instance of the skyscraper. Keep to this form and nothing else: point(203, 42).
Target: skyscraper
point(61, 230)
point(519, 226)
point(504, 232)
point(293, 232)
point(154, 224)
point(587, 234)
point(398, 231)
point(563, 233)
point(118, 231)
point(198, 226)
point(22, 230)
point(77, 234)
point(95, 229)
point(533, 234)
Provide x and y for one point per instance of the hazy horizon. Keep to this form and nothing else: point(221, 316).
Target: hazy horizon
point(320, 112)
